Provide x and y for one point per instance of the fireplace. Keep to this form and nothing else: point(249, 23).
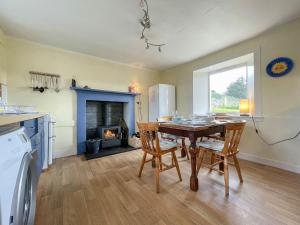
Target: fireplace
point(110, 136)
point(90, 102)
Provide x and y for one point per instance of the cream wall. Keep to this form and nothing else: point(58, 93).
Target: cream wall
point(2, 57)
point(280, 97)
point(24, 56)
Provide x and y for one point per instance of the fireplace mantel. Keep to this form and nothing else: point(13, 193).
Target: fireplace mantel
point(103, 91)
point(87, 94)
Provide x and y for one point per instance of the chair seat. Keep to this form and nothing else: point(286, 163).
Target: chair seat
point(167, 145)
point(211, 144)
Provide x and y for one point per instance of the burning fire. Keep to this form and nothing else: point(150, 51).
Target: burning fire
point(109, 134)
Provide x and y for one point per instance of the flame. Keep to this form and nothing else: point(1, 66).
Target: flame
point(109, 134)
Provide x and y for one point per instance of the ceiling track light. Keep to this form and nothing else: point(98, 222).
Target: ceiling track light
point(148, 44)
point(146, 24)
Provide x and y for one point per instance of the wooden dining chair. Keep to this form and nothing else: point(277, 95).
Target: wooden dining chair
point(222, 151)
point(152, 145)
point(173, 138)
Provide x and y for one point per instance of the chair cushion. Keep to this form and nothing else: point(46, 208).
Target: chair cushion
point(166, 145)
point(214, 145)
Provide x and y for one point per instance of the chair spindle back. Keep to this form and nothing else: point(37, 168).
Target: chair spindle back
point(232, 137)
point(149, 137)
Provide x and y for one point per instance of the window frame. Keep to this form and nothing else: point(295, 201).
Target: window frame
point(199, 106)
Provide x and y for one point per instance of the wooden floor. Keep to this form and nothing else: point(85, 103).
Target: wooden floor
point(108, 191)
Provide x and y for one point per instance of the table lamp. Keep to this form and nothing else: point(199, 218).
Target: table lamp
point(244, 107)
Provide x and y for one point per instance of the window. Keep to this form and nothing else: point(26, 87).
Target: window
point(218, 88)
point(226, 88)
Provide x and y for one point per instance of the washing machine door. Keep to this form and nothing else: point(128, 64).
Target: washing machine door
point(24, 201)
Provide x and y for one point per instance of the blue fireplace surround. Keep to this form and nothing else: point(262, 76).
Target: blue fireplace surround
point(87, 94)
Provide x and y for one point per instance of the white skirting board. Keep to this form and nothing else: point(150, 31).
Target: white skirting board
point(269, 162)
point(64, 153)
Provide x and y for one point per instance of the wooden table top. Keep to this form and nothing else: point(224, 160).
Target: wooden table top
point(190, 126)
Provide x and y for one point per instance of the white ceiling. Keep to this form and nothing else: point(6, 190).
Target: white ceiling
point(110, 29)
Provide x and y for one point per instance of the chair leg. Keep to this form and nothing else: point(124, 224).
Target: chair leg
point(226, 176)
point(142, 164)
point(200, 159)
point(160, 163)
point(157, 171)
point(212, 160)
point(153, 162)
point(173, 163)
point(238, 168)
point(176, 165)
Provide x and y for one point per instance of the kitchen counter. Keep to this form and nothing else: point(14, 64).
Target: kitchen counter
point(7, 119)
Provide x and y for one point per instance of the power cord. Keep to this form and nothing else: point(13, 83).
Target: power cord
point(274, 143)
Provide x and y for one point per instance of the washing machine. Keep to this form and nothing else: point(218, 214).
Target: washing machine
point(18, 180)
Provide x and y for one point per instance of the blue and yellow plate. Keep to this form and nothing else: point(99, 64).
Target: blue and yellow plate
point(280, 67)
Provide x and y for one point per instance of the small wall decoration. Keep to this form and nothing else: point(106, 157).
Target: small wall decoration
point(133, 87)
point(280, 67)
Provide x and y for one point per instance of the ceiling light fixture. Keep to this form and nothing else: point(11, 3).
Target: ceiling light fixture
point(146, 24)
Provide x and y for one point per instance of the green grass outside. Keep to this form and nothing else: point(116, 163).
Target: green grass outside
point(225, 110)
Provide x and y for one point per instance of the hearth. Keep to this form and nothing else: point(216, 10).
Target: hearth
point(110, 136)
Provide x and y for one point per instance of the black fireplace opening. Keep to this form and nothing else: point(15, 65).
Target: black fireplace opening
point(105, 121)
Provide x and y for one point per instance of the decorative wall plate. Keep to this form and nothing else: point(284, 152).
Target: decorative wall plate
point(280, 67)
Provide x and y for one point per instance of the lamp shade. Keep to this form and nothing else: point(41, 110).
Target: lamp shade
point(244, 106)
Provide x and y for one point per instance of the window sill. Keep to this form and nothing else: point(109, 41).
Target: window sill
point(239, 117)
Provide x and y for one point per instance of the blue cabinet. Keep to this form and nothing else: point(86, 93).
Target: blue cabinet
point(31, 128)
point(35, 131)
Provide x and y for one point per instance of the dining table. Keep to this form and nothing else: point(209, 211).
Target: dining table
point(193, 131)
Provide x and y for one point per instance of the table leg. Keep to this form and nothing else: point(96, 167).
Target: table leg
point(183, 147)
point(193, 154)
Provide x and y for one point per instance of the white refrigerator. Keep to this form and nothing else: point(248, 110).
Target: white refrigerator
point(161, 101)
